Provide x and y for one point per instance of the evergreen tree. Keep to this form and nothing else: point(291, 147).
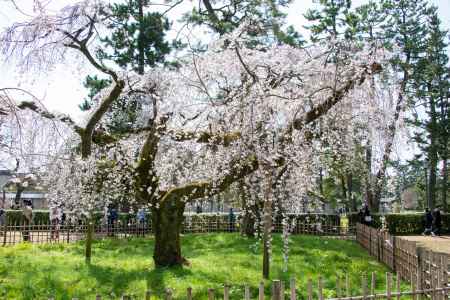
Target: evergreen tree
point(225, 16)
point(136, 41)
point(137, 38)
point(431, 85)
point(334, 19)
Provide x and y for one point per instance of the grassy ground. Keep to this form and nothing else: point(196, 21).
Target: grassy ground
point(126, 266)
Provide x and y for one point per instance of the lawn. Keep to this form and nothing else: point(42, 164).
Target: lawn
point(126, 267)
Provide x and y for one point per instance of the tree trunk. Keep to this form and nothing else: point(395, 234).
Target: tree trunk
point(19, 191)
point(432, 183)
point(141, 48)
point(371, 201)
point(167, 222)
point(444, 187)
point(432, 153)
point(267, 225)
point(249, 219)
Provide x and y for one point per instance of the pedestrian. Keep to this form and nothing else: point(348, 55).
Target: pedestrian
point(112, 218)
point(361, 216)
point(55, 220)
point(141, 216)
point(428, 222)
point(2, 220)
point(141, 221)
point(231, 220)
point(27, 211)
point(367, 216)
point(437, 222)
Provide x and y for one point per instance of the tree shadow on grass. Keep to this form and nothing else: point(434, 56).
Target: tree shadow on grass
point(115, 278)
point(157, 279)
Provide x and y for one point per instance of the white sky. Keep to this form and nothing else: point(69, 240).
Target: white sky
point(62, 90)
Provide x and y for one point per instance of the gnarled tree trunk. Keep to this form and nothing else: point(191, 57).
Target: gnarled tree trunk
point(167, 222)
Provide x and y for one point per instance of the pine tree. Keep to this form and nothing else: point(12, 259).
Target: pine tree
point(226, 15)
point(334, 19)
point(136, 41)
point(403, 30)
point(431, 85)
point(137, 38)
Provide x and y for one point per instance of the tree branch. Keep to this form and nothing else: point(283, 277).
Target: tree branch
point(200, 189)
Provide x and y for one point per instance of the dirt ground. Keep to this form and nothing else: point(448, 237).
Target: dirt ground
point(438, 243)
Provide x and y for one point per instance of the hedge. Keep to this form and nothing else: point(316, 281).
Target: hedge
point(403, 223)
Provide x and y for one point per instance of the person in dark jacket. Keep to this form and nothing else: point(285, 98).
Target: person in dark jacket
point(231, 220)
point(428, 222)
point(437, 222)
point(367, 216)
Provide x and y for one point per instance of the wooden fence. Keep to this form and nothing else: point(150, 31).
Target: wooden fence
point(429, 270)
point(292, 291)
point(66, 233)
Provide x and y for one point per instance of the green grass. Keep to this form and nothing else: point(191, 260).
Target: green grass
point(126, 267)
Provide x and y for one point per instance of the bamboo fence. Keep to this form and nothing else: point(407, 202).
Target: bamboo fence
point(427, 269)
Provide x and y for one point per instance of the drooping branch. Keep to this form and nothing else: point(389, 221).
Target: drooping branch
point(250, 164)
point(336, 97)
point(204, 137)
point(31, 105)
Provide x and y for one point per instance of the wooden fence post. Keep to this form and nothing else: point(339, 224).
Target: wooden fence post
point(398, 286)
point(394, 251)
point(168, 294)
point(338, 286)
point(388, 285)
point(148, 294)
point(292, 288)
point(189, 293)
point(364, 285)
point(98, 297)
point(276, 289)
point(320, 288)
point(444, 267)
point(373, 284)
point(260, 291)
point(226, 292)
point(210, 294)
point(247, 292)
point(347, 286)
point(310, 291)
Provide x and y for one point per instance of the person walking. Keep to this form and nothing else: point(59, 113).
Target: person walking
point(437, 222)
point(428, 222)
point(141, 221)
point(27, 211)
point(2, 220)
point(231, 220)
point(367, 216)
point(55, 220)
point(112, 219)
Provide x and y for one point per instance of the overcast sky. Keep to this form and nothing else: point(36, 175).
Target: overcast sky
point(62, 90)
